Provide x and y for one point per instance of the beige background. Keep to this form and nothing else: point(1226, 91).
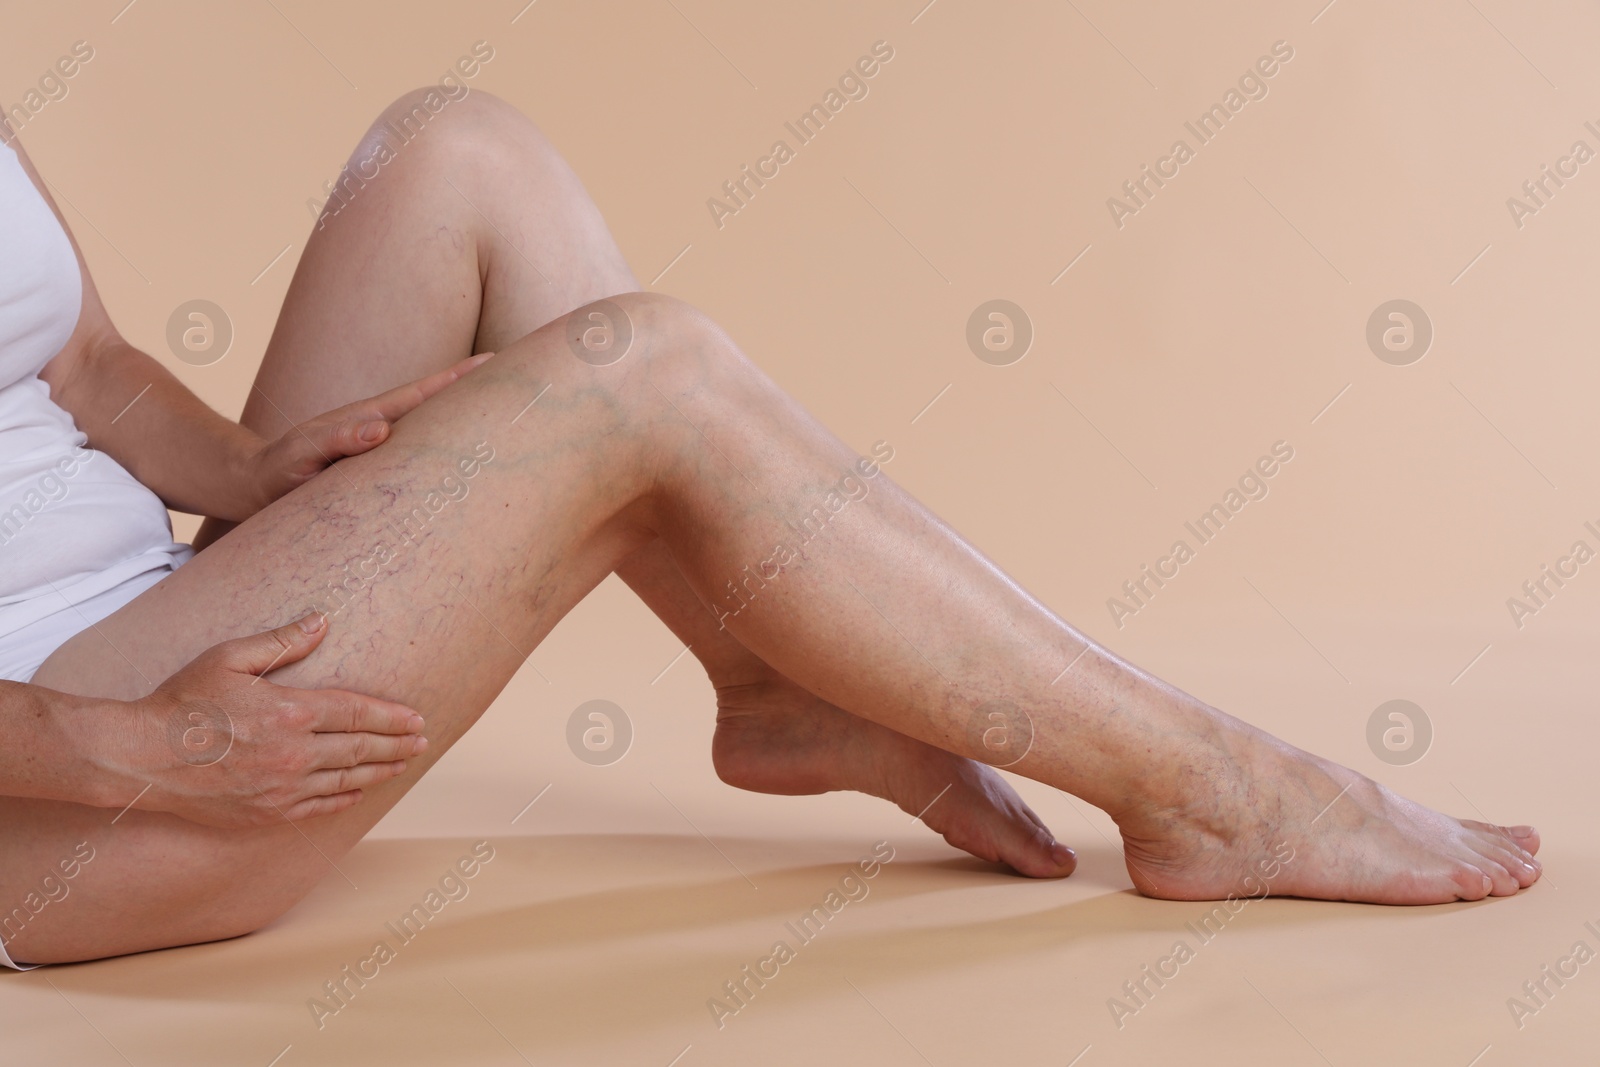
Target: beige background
point(1223, 317)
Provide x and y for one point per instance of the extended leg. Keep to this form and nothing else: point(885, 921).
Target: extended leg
point(891, 616)
point(464, 539)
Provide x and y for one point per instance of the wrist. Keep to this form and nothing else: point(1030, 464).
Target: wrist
point(100, 741)
point(243, 492)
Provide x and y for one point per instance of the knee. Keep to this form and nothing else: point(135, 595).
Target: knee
point(439, 126)
point(637, 361)
point(662, 340)
point(458, 123)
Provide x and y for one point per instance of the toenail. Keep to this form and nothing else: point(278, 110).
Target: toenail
point(1062, 854)
point(1523, 832)
point(1488, 884)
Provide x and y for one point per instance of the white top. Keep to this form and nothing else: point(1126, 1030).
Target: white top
point(73, 523)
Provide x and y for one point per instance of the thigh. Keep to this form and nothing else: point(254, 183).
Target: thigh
point(442, 558)
point(473, 234)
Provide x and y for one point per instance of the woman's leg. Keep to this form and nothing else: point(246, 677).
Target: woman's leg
point(480, 523)
point(472, 531)
point(475, 234)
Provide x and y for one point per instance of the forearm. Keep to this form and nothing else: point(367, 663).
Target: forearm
point(136, 412)
point(50, 738)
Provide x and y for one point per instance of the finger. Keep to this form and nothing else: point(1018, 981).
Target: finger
point(435, 382)
point(262, 652)
point(348, 750)
point(340, 711)
point(402, 399)
point(312, 807)
point(364, 425)
point(334, 781)
point(337, 435)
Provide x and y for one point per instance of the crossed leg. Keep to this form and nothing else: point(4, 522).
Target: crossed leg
point(681, 450)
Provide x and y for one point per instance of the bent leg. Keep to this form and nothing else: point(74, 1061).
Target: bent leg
point(889, 615)
point(443, 559)
point(478, 233)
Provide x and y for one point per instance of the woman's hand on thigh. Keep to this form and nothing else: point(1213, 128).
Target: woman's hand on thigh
point(310, 447)
point(218, 744)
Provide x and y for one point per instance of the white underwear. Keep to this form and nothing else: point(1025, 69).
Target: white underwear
point(22, 653)
point(5, 961)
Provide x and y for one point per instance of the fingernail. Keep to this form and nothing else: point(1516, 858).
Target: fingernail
point(414, 724)
point(482, 358)
point(371, 431)
point(419, 745)
point(313, 623)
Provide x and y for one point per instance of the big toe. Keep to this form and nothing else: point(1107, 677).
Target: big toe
point(1037, 853)
point(980, 813)
point(1526, 836)
point(1523, 840)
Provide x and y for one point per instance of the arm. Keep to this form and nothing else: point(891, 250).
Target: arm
point(134, 410)
point(188, 455)
point(283, 752)
point(41, 757)
point(275, 753)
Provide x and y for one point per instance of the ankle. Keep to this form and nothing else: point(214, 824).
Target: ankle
point(1207, 755)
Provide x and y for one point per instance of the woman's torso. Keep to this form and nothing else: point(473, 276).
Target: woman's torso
point(73, 522)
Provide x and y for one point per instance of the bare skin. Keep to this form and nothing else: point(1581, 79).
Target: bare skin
point(290, 753)
point(873, 661)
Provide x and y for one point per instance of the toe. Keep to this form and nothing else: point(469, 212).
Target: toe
point(983, 815)
point(1523, 867)
point(1526, 837)
point(1470, 882)
point(1501, 845)
point(973, 808)
point(1520, 838)
point(1024, 843)
point(1044, 857)
point(1503, 883)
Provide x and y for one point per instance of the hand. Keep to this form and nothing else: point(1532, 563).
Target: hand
point(316, 444)
point(220, 745)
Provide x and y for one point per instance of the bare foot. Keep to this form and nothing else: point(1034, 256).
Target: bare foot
point(1246, 814)
point(774, 737)
point(1261, 813)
